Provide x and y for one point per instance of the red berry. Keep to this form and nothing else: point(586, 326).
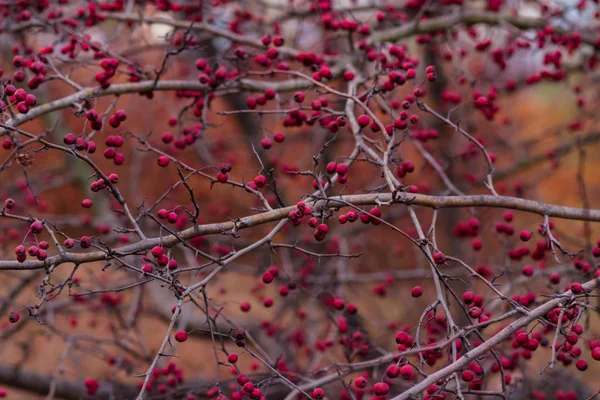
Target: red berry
point(91, 386)
point(581, 365)
point(163, 161)
point(245, 306)
point(360, 382)
point(381, 388)
point(363, 120)
point(467, 297)
point(576, 288)
point(318, 393)
point(181, 336)
point(147, 268)
point(523, 338)
point(36, 227)
point(525, 235)
point(341, 169)
point(408, 166)
point(222, 177)
point(85, 242)
point(475, 312)
point(467, 375)
point(393, 371)
point(167, 137)
point(439, 258)
point(481, 101)
point(14, 317)
point(266, 143)
point(267, 277)
point(407, 372)
point(157, 251)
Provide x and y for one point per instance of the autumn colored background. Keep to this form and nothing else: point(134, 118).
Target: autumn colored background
point(537, 157)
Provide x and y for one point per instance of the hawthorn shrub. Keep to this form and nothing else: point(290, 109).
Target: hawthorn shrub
point(299, 199)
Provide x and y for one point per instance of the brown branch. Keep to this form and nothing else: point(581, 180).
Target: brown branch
point(150, 85)
point(506, 202)
point(468, 17)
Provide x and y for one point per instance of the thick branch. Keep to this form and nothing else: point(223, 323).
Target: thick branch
point(435, 202)
point(469, 17)
point(147, 86)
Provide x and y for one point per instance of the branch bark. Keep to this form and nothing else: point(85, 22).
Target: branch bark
point(469, 17)
point(436, 202)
